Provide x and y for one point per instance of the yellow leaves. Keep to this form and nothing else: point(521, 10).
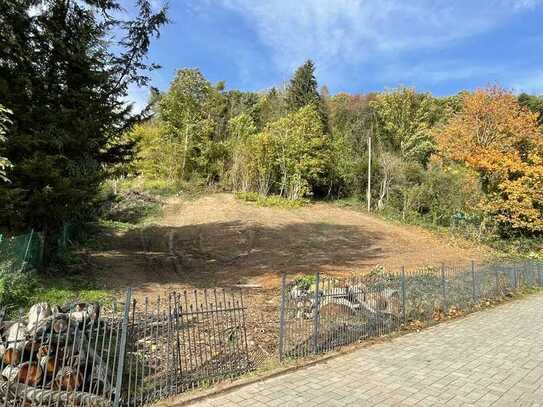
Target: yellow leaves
point(490, 119)
point(519, 197)
point(499, 139)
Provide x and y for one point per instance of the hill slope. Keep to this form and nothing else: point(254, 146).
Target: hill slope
point(217, 240)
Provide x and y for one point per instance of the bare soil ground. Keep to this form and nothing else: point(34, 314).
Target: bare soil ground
point(219, 241)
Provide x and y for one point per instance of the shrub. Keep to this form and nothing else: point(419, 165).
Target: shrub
point(17, 288)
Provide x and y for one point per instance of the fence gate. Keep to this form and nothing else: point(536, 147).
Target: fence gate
point(183, 341)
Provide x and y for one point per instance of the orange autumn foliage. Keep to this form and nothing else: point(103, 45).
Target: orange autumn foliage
point(495, 136)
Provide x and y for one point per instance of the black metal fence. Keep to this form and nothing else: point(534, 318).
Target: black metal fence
point(59, 356)
point(126, 354)
point(186, 340)
point(135, 353)
point(319, 314)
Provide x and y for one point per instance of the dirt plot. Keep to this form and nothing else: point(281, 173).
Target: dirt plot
point(219, 241)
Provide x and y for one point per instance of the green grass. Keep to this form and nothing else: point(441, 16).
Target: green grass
point(270, 200)
point(61, 290)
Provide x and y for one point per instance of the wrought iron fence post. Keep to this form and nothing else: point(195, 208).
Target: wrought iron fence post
point(473, 281)
point(540, 280)
point(122, 348)
point(515, 278)
point(402, 282)
point(444, 289)
point(316, 316)
point(498, 291)
point(282, 316)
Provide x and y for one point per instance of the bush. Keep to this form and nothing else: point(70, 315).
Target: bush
point(270, 201)
point(130, 207)
point(289, 158)
point(17, 288)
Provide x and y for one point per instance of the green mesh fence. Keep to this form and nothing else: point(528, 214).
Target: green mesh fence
point(20, 253)
point(26, 252)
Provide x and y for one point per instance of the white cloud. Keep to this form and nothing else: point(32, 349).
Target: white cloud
point(348, 31)
point(138, 96)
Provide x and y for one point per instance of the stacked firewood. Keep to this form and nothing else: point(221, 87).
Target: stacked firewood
point(48, 353)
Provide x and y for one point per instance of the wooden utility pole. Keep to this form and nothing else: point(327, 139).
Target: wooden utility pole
point(368, 192)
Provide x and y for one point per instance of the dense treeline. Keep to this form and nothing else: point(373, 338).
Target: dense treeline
point(472, 160)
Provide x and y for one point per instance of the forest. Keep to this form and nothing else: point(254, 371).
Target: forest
point(472, 161)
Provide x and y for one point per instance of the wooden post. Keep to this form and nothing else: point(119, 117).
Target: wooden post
point(282, 316)
point(368, 192)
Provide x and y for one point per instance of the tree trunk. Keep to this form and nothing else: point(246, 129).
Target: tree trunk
point(185, 152)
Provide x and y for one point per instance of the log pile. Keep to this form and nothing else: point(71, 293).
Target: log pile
point(346, 300)
point(51, 356)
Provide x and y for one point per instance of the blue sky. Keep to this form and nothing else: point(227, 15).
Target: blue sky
point(358, 45)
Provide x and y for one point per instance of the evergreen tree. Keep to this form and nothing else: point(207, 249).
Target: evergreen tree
point(66, 78)
point(4, 122)
point(302, 91)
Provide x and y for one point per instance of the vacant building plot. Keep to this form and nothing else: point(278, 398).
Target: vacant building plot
point(217, 241)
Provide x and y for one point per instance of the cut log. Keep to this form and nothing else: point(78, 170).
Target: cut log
point(15, 339)
point(11, 357)
point(32, 348)
point(30, 372)
point(68, 378)
point(84, 312)
point(47, 364)
point(334, 310)
point(101, 374)
point(36, 315)
point(43, 351)
point(60, 324)
point(16, 336)
point(38, 396)
point(10, 373)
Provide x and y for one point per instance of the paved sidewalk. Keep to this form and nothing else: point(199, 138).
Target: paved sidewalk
point(493, 357)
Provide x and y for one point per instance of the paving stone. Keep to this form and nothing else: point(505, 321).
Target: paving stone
point(490, 358)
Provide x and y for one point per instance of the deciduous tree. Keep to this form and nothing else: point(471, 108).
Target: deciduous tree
point(405, 118)
point(498, 138)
